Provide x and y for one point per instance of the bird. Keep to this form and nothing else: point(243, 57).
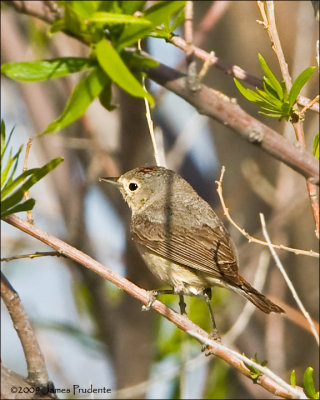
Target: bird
point(181, 239)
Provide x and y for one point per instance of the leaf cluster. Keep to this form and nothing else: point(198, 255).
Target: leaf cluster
point(274, 100)
point(254, 372)
point(14, 188)
point(108, 28)
point(308, 383)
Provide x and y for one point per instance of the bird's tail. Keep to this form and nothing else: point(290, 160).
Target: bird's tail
point(257, 298)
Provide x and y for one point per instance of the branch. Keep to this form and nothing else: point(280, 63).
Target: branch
point(269, 22)
point(37, 371)
point(250, 238)
point(218, 106)
point(267, 375)
point(32, 255)
point(181, 321)
point(37, 9)
point(230, 69)
point(287, 279)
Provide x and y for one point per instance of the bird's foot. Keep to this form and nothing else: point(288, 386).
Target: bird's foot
point(214, 335)
point(153, 294)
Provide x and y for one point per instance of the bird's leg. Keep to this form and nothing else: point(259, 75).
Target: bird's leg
point(182, 305)
point(153, 294)
point(214, 333)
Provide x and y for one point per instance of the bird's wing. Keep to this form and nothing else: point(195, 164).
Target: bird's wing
point(203, 248)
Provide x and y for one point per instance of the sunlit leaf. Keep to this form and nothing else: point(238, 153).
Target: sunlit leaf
point(45, 69)
point(117, 70)
point(316, 146)
point(298, 84)
point(273, 81)
point(82, 96)
point(111, 18)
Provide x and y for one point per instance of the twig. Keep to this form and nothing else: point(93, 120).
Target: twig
point(192, 78)
point(270, 24)
point(295, 316)
point(25, 167)
point(142, 295)
point(218, 106)
point(250, 238)
point(248, 310)
point(308, 106)
point(35, 9)
point(231, 69)
point(266, 372)
point(286, 278)
point(37, 371)
point(32, 255)
point(160, 160)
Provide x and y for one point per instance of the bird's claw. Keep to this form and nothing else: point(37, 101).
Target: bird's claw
point(152, 298)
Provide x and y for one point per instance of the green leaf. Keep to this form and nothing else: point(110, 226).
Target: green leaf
point(112, 19)
point(82, 96)
point(84, 9)
point(298, 84)
point(26, 206)
point(273, 81)
point(247, 93)
point(37, 174)
point(5, 171)
point(162, 10)
point(177, 21)
point(3, 137)
point(270, 99)
point(137, 60)
point(130, 7)
point(293, 378)
point(45, 69)
point(105, 97)
point(316, 146)
point(117, 70)
point(157, 14)
point(309, 384)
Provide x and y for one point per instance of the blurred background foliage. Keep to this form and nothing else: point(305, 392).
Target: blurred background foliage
point(89, 331)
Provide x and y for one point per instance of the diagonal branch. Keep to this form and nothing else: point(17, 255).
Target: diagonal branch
point(278, 387)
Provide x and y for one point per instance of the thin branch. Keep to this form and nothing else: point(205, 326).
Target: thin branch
point(287, 279)
point(220, 107)
point(32, 255)
point(25, 167)
point(269, 22)
point(248, 310)
point(231, 69)
point(160, 160)
point(37, 371)
point(250, 238)
point(35, 9)
point(308, 106)
point(142, 295)
point(267, 374)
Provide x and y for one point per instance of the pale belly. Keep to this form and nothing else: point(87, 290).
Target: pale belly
point(184, 280)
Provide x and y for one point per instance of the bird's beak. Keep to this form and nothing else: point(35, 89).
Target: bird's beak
point(110, 180)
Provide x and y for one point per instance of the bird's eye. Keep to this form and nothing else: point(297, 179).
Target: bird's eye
point(133, 186)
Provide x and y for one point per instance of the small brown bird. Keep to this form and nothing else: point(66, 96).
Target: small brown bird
point(180, 237)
